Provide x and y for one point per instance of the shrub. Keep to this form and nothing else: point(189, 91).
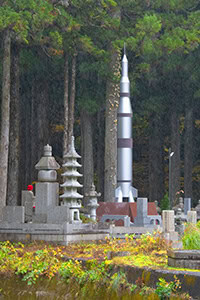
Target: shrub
point(191, 237)
point(165, 205)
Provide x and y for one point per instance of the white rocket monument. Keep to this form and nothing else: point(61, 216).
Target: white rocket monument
point(124, 191)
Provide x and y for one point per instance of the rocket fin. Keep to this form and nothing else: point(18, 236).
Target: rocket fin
point(118, 194)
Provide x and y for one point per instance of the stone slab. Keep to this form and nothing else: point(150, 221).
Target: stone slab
point(171, 236)
point(189, 280)
point(184, 263)
point(39, 218)
point(126, 219)
point(46, 194)
point(185, 254)
point(13, 214)
point(58, 214)
point(28, 200)
point(187, 205)
point(192, 216)
point(168, 220)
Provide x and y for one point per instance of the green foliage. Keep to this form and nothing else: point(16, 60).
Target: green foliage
point(165, 289)
point(165, 205)
point(191, 237)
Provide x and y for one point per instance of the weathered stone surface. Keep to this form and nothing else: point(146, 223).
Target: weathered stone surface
point(58, 214)
point(142, 219)
point(13, 214)
point(187, 205)
point(46, 195)
point(184, 263)
point(185, 254)
point(28, 200)
point(126, 219)
point(111, 254)
point(192, 216)
point(168, 220)
point(190, 281)
point(189, 259)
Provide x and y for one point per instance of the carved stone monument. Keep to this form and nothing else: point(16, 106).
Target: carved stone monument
point(46, 189)
point(92, 203)
point(71, 198)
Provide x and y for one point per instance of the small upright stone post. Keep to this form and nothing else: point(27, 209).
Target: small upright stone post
point(168, 221)
point(192, 216)
point(142, 219)
point(92, 202)
point(187, 205)
point(46, 189)
point(179, 222)
point(71, 198)
point(169, 225)
point(28, 200)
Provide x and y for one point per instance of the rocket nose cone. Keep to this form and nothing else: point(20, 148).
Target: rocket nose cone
point(124, 59)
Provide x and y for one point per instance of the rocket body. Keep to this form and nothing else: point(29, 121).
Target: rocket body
point(124, 192)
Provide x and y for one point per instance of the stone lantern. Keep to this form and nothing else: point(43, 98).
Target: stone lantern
point(92, 202)
point(71, 198)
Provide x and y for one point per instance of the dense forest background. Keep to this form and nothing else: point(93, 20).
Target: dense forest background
point(60, 73)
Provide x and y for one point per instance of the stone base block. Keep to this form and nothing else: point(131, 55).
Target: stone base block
point(58, 214)
point(171, 236)
point(46, 194)
point(39, 218)
point(189, 259)
point(13, 214)
point(146, 221)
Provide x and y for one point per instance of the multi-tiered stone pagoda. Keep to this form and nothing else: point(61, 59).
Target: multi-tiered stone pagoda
point(71, 197)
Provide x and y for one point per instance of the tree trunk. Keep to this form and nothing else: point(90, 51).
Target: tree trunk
point(43, 122)
point(32, 138)
point(100, 153)
point(112, 101)
point(175, 159)
point(13, 197)
point(39, 136)
point(156, 172)
point(72, 98)
point(188, 152)
point(87, 154)
point(5, 120)
point(66, 101)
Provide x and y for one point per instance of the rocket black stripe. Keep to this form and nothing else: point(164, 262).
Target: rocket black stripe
point(124, 94)
point(123, 180)
point(124, 143)
point(124, 115)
